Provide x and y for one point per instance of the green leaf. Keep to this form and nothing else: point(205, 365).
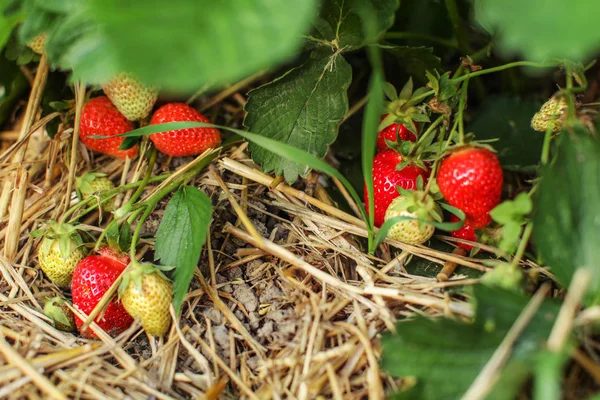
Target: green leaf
point(7, 24)
point(567, 211)
point(187, 43)
point(508, 119)
point(340, 21)
point(181, 235)
point(539, 29)
point(302, 108)
point(433, 350)
point(415, 61)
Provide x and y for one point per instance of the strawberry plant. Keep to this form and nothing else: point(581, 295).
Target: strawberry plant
point(312, 199)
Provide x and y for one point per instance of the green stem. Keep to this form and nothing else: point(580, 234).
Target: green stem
point(419, 36)
point(505, 66)
point(109, 195)
point(429, 130)
point(136, 235)
point(459, 79)
point(461, 108)
point(546, 146)
point(522, 245)
point(125, 208)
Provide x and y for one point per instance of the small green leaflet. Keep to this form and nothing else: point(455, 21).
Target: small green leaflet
point(432, 351)
point(512, 214)
point(181, 235)
point(302, 108)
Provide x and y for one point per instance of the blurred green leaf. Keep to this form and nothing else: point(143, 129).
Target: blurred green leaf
point(567, 211)
point(340, 21)
point(434, 350)
point(508, 119)
point(181, 235)
point(179, 45)
point(415, 61)
point(302, 108)
point(542, 29)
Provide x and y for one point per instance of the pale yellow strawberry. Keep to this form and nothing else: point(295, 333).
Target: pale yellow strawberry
point(146, 295)
point(93, 184)
point(59, 265)
point(38, 43)
point(551, 115)
point(414, 205)
point(132, 98)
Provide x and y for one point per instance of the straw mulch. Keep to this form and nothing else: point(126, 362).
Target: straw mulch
point(285, 302)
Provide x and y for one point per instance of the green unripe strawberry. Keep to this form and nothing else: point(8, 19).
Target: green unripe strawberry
point(61, 315)
point(413, 204)
point(146, 295)
point(38, 43)
point(93, 184)
point(60, 251)
point(551, 115)
point(132, 98)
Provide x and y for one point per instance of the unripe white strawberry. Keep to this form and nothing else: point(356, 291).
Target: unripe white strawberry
point(551, 115)
point(146, 295)
point(418, 205)
point(132, 98)
point(60, 251)
point(38, 43)
point(93, 184)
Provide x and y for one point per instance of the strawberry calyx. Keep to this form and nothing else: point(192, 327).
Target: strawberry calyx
point(66, 235)
point(135, 273)
point(401, 109)
point(419, 203)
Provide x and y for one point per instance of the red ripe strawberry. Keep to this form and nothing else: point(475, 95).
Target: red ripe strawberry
point(392, 133)
point(467, 232)
point(183, 142)
point(471, 179)
point(386, 179)
point(91, 279)
point(100, 117)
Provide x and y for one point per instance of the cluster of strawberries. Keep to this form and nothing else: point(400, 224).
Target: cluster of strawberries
point(145, 293)
point(470, 178)
point(128, 100)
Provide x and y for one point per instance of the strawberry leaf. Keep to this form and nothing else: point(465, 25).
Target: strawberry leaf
point(414, 60)
point(566, 220)
point(340, 22)
point(302, 108)
point(432, 350)
point(539, 30)
point(181, 235)
point(99, 38)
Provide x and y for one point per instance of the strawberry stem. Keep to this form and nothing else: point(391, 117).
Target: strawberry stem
point(144, 183)
point(522, 245)
point(430, 129)
point(461, 108)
